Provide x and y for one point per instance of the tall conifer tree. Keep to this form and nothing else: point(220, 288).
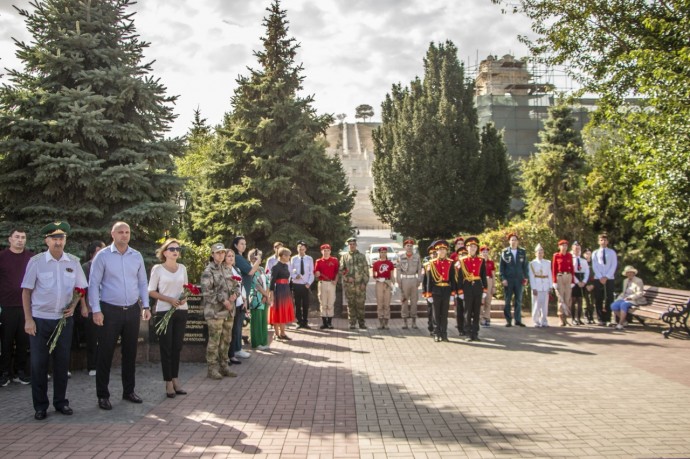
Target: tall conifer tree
point(273, 180)
point(82, 125)
point(428, 174)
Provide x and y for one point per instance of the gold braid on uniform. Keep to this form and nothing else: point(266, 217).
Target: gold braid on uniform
point(435, 274)
point(466, 274)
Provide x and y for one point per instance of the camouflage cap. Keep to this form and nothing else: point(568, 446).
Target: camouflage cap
point(219, 247)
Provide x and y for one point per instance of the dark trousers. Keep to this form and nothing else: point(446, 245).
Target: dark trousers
point(430, 317)
point(473, 305)
point(13, 338)
point(460, 315)
point(236, 334)
point(441, 305)
point(85, 331)
point(40, 359)
point(603, 297)
point(301, 293)
point(170, 343)
point(118, 322)
point(513, 289)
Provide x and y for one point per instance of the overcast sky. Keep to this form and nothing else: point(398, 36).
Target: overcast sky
point(352, 50)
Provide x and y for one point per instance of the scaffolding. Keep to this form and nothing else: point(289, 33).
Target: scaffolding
point(515, 95)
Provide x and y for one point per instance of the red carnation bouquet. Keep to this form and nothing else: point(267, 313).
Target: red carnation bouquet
point(187, 290)
point(77, 294)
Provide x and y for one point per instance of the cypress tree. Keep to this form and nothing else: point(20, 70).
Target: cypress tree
point(82, 125)
point(273, 179)
point(428, 175)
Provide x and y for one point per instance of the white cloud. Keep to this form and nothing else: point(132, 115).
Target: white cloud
point(352, 50)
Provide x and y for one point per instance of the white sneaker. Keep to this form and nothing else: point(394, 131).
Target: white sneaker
point(92, 372)
point(243, 354)
point(262, 348)
point(619, 327)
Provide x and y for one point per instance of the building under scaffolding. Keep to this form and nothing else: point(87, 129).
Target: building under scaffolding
point(517, 98)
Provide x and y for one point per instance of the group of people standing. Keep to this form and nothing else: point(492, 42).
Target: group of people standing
point(113, 291)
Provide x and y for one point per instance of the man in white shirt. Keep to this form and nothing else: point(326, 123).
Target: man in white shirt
point(540, 282)
point(48, 295)
point(604, 264)
point(301, 276)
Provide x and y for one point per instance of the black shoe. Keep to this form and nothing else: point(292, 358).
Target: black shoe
point(324, 325)
point(445, 339)
point(519, 324)
point(170, 395)
point(104, 404)
point(66, 410)
point(4, 380)
point(362, 326)
point(134, 398)
point(180, 392)
point(234, 361)
point(40, 415)
point(469, 339)
point(476, 338)
point(508, 324)
point(300, 326)
point(307, 326)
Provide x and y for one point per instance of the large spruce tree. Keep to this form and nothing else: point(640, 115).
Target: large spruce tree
point(429, 176)
point(273, 179)
point(554, 178)
point(82, 124)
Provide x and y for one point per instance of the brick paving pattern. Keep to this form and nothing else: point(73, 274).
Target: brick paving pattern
point(520, 392)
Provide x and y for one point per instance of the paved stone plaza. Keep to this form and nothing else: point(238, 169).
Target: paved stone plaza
point(521, 392)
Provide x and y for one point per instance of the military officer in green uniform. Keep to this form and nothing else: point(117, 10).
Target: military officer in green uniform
point(354, 271)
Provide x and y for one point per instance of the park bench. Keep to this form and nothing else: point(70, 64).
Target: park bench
point(666, 305)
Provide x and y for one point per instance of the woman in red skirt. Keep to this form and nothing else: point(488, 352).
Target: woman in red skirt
point(282, 308)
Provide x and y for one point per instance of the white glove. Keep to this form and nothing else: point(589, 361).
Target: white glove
point(555, 286)
point(462, 297)
point(430, 300)
point(483, 296)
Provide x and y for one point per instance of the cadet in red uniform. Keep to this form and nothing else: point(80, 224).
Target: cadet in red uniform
point(485, 316)
point(326, 272)
point(440, 285)
point(471, 272)
point(383, 276)
point(460, 251)
point(563, 275)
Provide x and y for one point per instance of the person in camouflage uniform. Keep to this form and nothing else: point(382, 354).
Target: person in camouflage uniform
point(354, 271)
point(218, 300)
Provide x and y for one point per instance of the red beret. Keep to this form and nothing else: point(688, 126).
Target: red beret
point(408, 241)
point(325, 246)
point(511, 234)
point(483, 248)
point(383, 248)
point(562, 241)
point(458, 239)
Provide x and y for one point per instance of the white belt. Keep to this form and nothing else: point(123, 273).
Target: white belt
point(408, 276)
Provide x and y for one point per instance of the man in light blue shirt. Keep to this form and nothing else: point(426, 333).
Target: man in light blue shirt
point(48, 295)
point(604, 264)
point(301, 276)
point(119, 297)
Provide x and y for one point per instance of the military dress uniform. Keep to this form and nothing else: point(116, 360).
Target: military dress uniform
point(440, 285)
point(426, 285)
point(409, 275)
point(460, 251)
point(485, 316)
point(514, 269)
point(354, 270)
point(540, 282)
point(471, 288)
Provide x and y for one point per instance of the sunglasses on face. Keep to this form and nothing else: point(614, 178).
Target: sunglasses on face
point(174, 249)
